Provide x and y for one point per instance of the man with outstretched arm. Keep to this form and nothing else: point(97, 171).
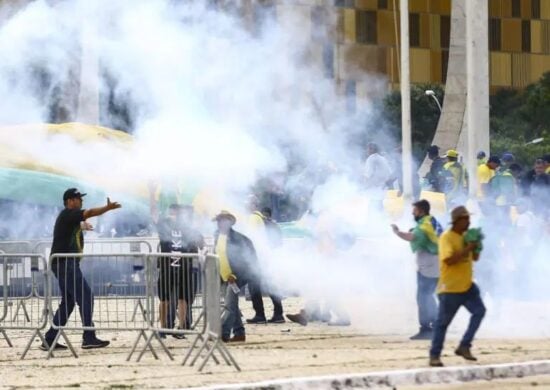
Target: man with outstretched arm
point(68, 238)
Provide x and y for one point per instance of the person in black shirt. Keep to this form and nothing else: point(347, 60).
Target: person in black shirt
point(177, 276)
point(434, 176)
point(68, 238)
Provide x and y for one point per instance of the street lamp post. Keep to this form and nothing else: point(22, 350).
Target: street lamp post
point(405, 100)
point(535, 141)
point(431, 93)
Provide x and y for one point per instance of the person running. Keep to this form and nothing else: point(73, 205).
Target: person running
point(456, 287)
point(68, 238)
point(424, 240)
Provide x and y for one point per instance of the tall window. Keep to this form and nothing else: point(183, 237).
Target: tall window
point(445, 31)
point(516, 9)
point(494, 35)
point(525, 36)
point(535, 9)
point(414, 30)
point(366, 26)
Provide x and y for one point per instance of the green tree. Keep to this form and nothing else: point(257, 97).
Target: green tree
point(424, 116)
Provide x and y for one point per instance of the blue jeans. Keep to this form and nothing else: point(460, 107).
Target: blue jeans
point(425, 298)
point(233, 321)
point(74, 289)
point(449, 303)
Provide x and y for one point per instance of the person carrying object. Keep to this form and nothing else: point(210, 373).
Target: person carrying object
point(238, 265)
point(458, 248)
point(68, 238)
point(424, 238)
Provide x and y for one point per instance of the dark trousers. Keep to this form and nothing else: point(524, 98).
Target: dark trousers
point(425, 299)
point(449, 303)
point(255, 290)
point(74, 289)
point(191, 285)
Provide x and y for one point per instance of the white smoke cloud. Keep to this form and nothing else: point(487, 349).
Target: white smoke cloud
point(219, 105)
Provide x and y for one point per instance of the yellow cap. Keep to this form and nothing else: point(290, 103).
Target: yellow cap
point(451, 153)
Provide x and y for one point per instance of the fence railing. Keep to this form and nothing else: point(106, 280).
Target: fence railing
point(17, 311)
point(123, 286)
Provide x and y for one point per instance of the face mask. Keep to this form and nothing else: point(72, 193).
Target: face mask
point(417, 218)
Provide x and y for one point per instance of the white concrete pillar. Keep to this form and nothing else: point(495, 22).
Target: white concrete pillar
point(477, 91)
point(406, 100)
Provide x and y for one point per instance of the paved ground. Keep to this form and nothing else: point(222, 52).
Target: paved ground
point(271, 352)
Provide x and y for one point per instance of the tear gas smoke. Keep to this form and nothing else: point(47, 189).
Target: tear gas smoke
point(219, 104)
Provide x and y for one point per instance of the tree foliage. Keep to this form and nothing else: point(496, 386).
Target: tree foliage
point(516, 118)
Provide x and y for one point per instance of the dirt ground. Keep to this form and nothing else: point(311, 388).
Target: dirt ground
point(270, 352)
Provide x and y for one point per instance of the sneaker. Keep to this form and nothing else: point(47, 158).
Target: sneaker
point(94, 343)
point(256, 320)
point(58, 347)
point(435, 361)
point(422, 335)
point(277, 320)
point(465, 353)
point(238, 339)
point(178, 336)
point(298, 318)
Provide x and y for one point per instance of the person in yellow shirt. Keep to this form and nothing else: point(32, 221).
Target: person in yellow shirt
point(456, 287)
point(453, 177)
point(485, 172)
point(238, 265)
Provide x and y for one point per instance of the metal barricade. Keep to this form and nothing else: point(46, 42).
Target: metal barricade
point(211, 337)
point(105, 289)
point(106, 246)
point(15, 276)
point(175, 282)
point(192, 279)
point(91, 281)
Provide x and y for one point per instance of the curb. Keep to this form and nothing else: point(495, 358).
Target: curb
point(422, 376)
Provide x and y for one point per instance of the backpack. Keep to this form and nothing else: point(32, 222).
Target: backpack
point(274, 233)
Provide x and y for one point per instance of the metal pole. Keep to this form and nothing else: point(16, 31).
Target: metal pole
point(406, 100)
point(477, 76)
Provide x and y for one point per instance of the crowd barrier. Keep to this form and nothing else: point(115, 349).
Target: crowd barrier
point(15, 282)
point(116, 292)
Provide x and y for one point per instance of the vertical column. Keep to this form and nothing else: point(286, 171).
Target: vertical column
point(406, 100)
point(477, 75)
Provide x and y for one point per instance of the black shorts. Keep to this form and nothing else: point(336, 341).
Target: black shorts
point(175, 277)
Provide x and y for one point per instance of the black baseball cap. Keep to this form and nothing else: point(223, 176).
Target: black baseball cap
point(432, 150)
point(72, 193)
point(494, 159)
